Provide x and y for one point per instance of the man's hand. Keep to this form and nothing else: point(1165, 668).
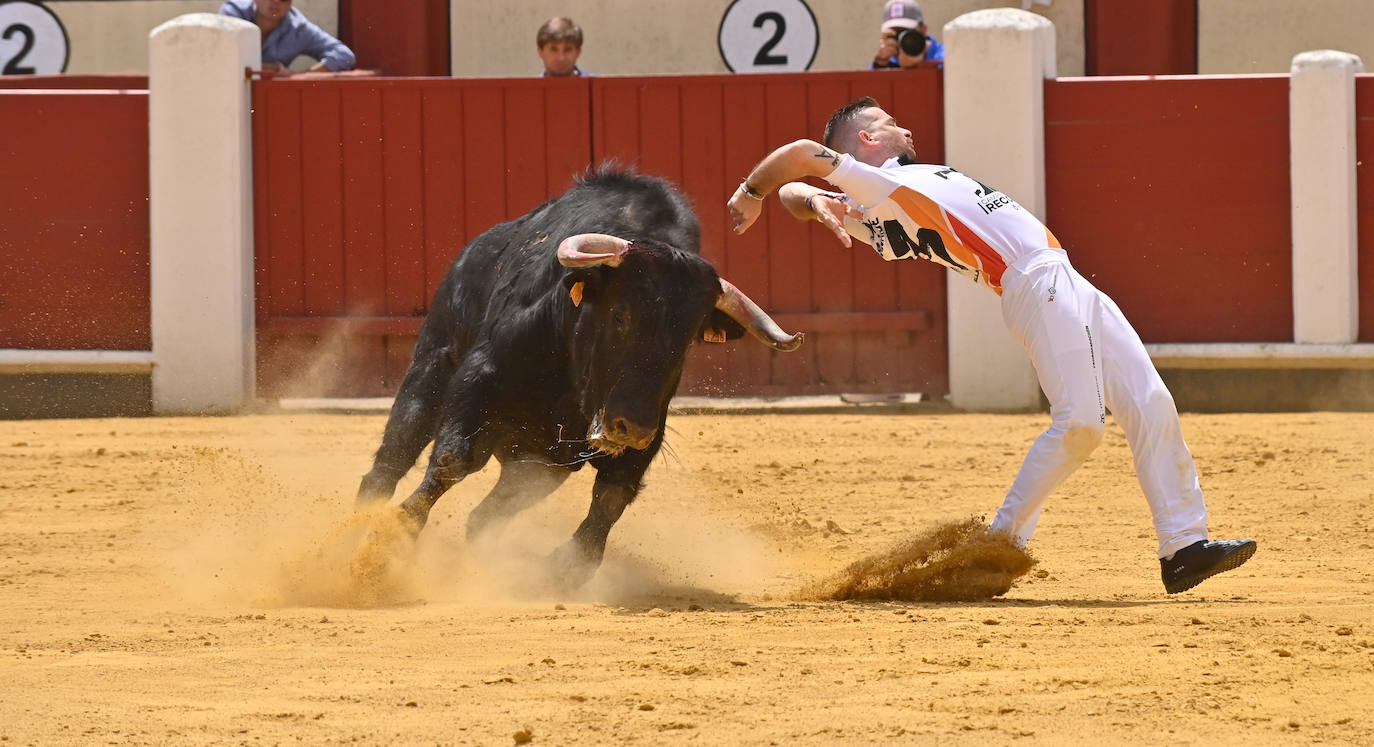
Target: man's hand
point(887, 48)
point(744, 210)
point(831, 212)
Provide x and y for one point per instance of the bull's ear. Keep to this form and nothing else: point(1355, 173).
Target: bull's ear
point(581, 283)
point(719, 327)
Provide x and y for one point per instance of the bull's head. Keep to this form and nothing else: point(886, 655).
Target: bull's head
point(641, 305)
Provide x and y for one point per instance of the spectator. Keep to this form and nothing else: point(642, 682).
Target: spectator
point(287, 34)
point(560, 44)
point(903, 41)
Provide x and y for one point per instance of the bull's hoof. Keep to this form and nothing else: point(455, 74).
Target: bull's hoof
point(571, 566)
point(411, 519)
point(374, 489)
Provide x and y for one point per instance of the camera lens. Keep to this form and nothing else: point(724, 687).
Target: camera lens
point(912, 42)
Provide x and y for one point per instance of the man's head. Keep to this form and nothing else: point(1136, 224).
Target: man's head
point(272, 10)
point(863, 130)
point(560, 43)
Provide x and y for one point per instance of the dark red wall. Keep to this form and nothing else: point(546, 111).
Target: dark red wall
point(397, 38)
point(1157, 37)
point(74, 220)
point(1172, 195)
point(1364, 184)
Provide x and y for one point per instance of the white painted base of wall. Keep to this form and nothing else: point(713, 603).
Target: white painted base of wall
point(75, 361)
point(1261, 355)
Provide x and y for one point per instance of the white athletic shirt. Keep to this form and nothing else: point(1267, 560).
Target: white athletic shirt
point(936, 213)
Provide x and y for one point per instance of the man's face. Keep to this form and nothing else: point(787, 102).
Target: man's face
point(559, 57)
point(889, 139)
point(274, 9)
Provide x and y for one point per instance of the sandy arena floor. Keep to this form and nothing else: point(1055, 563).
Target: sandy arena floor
point(161, 581)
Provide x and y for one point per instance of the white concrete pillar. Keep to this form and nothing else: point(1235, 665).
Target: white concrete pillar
point(996, 62)
point(201, 200)
point(1321, 131)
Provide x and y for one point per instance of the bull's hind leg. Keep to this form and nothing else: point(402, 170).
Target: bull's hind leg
point(615, 489)
point(410, 427)
point(521, 485)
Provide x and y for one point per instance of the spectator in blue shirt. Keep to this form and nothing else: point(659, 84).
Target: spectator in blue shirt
point(287, 33)
point(904, 42)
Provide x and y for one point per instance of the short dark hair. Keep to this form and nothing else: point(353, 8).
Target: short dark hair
point(559, 29)
point(834, 129)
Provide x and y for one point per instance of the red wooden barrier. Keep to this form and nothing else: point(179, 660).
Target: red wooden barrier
point(105, 81)
point(876, 326)
point(1172, 195)
point(1364, 183)
point(366, 189)
point(74, 220)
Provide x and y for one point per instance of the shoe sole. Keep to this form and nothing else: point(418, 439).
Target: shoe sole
point(1230, 562)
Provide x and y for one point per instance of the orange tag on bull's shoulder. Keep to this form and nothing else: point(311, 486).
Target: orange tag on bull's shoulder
point(575, 293)
point(711, 334)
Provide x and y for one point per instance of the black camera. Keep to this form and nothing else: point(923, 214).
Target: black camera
point(911, 42)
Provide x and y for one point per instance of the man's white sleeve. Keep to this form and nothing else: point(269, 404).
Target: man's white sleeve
point(864, 184)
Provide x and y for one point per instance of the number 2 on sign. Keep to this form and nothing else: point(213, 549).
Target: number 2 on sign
point(13, 67)
point(765, 55)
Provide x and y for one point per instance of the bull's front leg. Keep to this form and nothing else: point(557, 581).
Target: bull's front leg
point(616, 487)
point(460, 447)
point(414, 415)
point(455, 456)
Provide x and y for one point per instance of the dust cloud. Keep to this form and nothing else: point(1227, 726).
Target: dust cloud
point(954, 562)
point(268, 532)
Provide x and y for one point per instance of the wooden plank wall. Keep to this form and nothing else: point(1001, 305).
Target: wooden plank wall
point(872, 326)
point(367, 188)
point(74, 220)
point(1364, 185)
point(1184, 181)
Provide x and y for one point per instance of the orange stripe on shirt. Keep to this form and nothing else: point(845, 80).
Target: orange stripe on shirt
point(993, 264)
point(960, 241)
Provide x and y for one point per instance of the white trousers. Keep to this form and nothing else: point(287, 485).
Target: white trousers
point(1089, 360)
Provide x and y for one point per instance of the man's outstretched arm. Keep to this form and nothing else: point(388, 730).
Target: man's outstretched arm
point(795, 160)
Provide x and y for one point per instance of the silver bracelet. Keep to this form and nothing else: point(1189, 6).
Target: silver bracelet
point(749, 191)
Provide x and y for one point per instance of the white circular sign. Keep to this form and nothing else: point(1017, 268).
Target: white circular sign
point(768, 36)
point(32, 40)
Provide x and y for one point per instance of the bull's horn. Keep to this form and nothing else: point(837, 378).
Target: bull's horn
point(587, 249)
point(743, 310)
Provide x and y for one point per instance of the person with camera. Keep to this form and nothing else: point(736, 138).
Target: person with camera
point(904, 43)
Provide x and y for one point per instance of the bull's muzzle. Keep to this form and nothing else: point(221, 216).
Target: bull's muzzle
point(616, 434)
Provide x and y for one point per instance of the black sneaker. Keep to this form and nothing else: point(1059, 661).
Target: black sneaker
point(1202, 560)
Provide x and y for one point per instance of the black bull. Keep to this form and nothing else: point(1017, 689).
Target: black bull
point(555, 340)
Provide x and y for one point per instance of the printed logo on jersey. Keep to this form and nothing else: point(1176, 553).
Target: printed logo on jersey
point(989, 198)
point(944, 239)
point(927, 243)
point(877, 236)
